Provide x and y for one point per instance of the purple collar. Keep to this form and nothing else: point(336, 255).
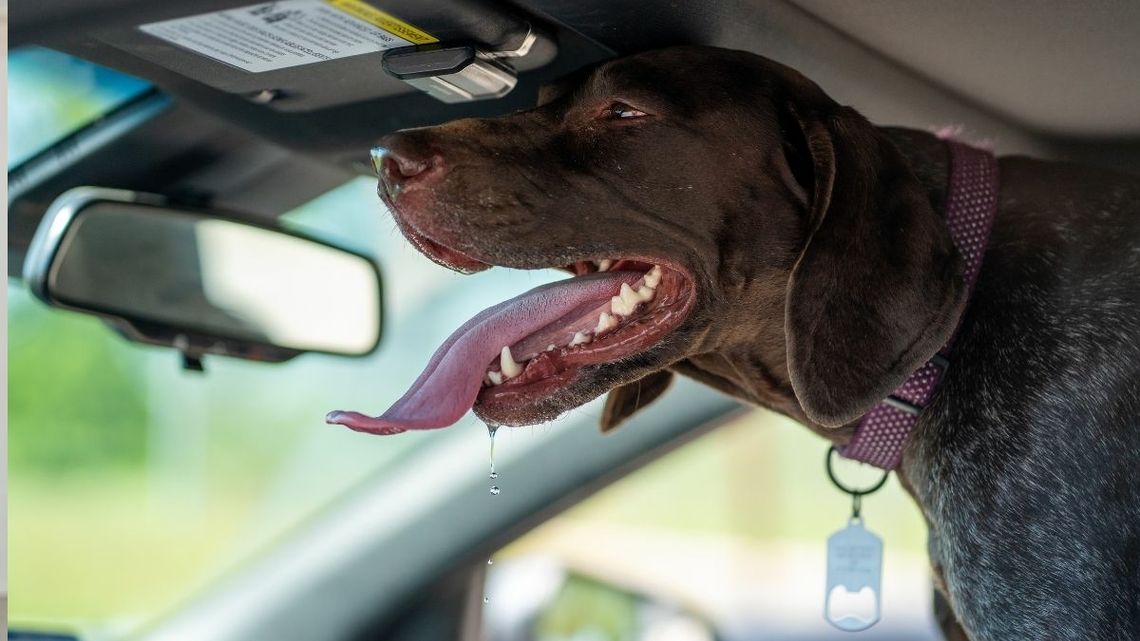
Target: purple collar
point(971, 204)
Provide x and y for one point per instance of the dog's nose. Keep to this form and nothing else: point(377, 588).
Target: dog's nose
point(398, 168)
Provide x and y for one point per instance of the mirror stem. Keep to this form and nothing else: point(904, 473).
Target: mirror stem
point(192, 363)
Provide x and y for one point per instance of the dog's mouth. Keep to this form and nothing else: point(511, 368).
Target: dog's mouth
point(543, 352)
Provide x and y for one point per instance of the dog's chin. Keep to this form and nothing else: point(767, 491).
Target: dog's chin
point(548, 398)
point(538, 402)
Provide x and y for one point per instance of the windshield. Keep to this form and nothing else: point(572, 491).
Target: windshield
point(134, 482)
point(51, 94)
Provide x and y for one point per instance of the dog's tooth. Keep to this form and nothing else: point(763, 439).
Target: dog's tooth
point(496, 378)
point(550, 347)
point(605, 322)
point(605, 264)
point(580, 338)
point(617, 305)
point(653, 278)
point(511, 369)
point(645, 293)
point(620, 307)
point(630, 297)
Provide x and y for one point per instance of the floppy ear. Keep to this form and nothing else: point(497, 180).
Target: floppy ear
point(877, 289)
point(622, 402)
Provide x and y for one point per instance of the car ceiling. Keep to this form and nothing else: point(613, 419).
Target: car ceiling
point(1060, 68)
point(1055, 67)
point(1048, 77)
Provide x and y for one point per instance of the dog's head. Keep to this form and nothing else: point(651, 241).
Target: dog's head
point(773, 243)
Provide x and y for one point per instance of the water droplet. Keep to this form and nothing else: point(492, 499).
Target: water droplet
point(490, 561)
point(491, 429)
point(495, 490)
point(486, 599)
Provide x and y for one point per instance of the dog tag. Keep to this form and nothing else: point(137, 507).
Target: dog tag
point(854, 571)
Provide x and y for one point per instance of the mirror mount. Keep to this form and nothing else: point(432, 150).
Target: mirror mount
point(193, 348)
point(202, 281)
point(192, 363)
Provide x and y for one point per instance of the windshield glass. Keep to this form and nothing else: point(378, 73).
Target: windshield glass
point(133, 482)
point(52, 94)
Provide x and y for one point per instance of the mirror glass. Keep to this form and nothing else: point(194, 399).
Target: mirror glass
point(218, 278)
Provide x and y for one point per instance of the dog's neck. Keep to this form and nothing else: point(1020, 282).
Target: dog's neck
point(929, 159)
point(757, 370)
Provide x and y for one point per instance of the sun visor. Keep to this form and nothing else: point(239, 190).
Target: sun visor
point(303, 55)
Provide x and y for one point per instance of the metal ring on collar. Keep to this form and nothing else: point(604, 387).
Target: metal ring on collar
point(835, 480)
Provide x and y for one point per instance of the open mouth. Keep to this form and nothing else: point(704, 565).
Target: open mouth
point(524, 353)
point(650, 300)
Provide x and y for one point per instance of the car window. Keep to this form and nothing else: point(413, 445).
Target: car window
point(52, 94)
point(134, 482)
point(723, 538)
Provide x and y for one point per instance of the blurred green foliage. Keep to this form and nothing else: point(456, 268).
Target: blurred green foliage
point(71, 416)
point(588, 609)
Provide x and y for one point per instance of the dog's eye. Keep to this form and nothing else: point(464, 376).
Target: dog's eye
point(622, 110)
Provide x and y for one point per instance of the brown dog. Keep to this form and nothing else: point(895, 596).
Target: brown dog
point(758, 237)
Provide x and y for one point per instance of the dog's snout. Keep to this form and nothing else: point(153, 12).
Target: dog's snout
point(398, 168)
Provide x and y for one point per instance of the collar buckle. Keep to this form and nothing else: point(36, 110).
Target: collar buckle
point(904, 405)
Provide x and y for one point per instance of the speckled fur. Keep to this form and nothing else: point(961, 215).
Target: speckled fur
point(1027, 464)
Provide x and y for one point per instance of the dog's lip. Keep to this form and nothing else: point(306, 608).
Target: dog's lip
point(437, 252)
point(464, 263)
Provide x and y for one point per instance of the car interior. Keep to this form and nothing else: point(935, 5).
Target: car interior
point(171, 476)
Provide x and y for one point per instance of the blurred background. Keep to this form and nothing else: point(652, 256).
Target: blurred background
point(135, 484)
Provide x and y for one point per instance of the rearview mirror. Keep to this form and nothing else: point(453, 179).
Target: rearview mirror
point(202, 281)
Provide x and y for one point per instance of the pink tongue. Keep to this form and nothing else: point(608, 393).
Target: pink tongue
point(449, 384)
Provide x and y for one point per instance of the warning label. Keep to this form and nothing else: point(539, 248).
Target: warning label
point(277, 35)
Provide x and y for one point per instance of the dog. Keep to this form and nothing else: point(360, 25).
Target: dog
point(734, 224)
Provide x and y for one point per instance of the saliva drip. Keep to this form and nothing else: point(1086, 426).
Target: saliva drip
point(491, 429)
